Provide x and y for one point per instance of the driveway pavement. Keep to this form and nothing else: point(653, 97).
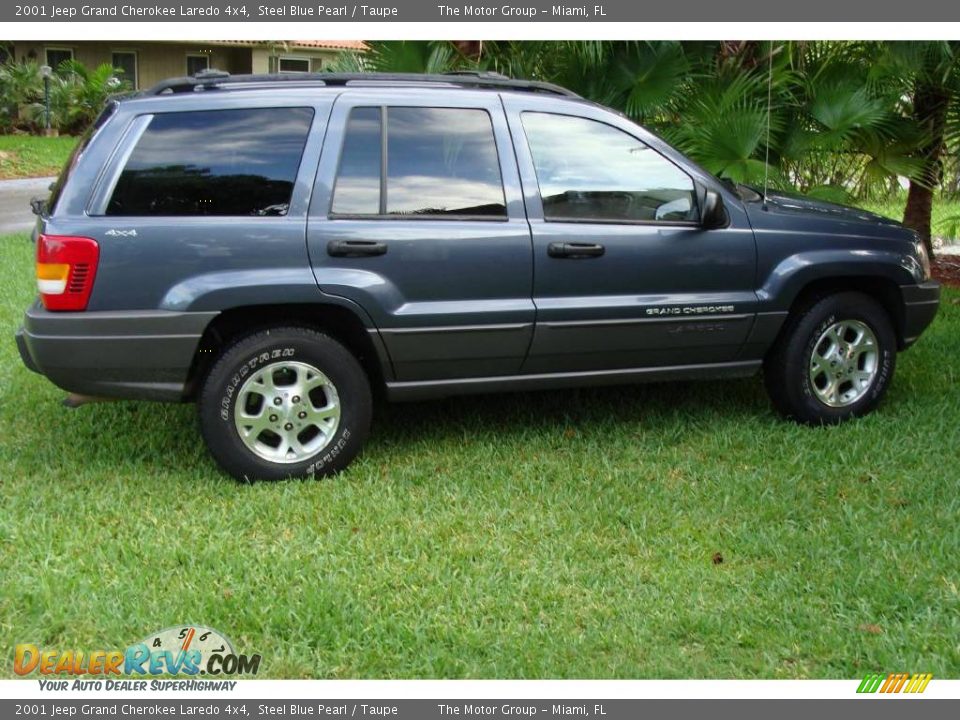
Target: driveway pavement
point(15, 195)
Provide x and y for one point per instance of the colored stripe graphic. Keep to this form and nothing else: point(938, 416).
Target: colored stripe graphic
point(895, 683)
point(870, 683)
point(918, 683)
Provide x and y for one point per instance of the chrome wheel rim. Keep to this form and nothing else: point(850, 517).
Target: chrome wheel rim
point(844, 363)
point(287, 412)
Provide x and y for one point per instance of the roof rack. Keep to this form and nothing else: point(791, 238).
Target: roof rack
point(218, 79)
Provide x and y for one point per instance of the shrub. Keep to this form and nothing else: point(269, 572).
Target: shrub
point(77, 95)
point(20, 86)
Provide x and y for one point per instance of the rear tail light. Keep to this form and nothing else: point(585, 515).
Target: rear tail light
point(66, 267)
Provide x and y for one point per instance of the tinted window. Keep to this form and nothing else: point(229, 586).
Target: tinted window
point(440, 162)
point(357, 190)
point(223, 162)
point(78, 149)
point(588, 170)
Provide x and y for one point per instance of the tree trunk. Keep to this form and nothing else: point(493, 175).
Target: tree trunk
point(919, 212)
point(930, 112)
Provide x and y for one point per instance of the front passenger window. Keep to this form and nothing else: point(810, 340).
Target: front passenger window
point(591, 171)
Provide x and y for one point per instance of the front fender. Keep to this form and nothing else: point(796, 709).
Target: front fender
point(788, 277)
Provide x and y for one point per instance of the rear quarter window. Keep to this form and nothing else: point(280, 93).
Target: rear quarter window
point(57, 190)
point(214, 162)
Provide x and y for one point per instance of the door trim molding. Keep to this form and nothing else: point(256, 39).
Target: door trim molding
point(424, 389)
point(455, 328)
point(643, 320)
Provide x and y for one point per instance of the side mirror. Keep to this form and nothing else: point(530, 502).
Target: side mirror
point(713, 214)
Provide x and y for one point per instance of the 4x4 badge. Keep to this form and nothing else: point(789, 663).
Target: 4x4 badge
point(121, 233)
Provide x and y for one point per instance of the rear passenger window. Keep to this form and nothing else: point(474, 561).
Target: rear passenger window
point(220, 162)
point(440, 162)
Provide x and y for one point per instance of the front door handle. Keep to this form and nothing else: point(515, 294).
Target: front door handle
point(575, 250)
point(355, 248)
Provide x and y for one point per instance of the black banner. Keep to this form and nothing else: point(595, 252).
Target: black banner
point(522, 11)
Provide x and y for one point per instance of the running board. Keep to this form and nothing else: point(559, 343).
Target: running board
point(426, 389)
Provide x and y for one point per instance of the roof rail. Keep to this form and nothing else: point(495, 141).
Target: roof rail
point(217, 79)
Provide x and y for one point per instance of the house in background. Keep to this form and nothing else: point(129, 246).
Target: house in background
point(146, 63)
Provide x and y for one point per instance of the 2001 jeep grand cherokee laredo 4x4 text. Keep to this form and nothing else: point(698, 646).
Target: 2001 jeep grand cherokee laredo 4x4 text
point(276, 246)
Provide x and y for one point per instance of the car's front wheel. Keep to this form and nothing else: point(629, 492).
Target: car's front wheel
point(285, 402)
point(833, 361)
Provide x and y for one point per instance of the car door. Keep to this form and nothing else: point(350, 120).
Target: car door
point(417, 216)
point(625, 276)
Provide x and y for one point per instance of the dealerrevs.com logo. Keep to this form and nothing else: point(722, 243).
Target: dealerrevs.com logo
point(186, 650)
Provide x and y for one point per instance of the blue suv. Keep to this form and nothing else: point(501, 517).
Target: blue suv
point(278, 248)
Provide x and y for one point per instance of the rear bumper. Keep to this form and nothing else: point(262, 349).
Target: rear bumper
point(920, 303)
point(129, 354)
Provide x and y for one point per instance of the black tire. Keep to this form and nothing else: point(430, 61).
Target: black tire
point(787, 368)
point(251, 355)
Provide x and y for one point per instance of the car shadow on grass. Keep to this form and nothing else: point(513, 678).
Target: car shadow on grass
point(514, 415)
point(163, 440)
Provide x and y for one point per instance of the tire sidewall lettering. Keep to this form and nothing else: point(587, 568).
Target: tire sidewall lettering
point(883, 374)
point(329, 453)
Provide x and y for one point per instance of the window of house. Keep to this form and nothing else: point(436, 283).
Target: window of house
point(126, 62)
point(294, 65)
point(197, 63)
point(591, 171)
point(219, 162)
point(56, 56)
point(440, 162)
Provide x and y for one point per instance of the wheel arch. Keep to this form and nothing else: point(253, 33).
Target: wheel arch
point(337, 321)
point(884, 291)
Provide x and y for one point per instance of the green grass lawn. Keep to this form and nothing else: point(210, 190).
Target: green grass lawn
point(25, 156)
point(558, 534)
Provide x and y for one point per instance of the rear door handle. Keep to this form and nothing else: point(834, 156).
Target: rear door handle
point(355, 248)
point(575, 250)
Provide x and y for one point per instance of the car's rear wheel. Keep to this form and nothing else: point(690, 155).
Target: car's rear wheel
point(285, 402)
point(833, 361)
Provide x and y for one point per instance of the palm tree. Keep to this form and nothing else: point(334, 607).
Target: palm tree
point(20, 85)
point(77, 94)
point(930, 76)
point(402, 56)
